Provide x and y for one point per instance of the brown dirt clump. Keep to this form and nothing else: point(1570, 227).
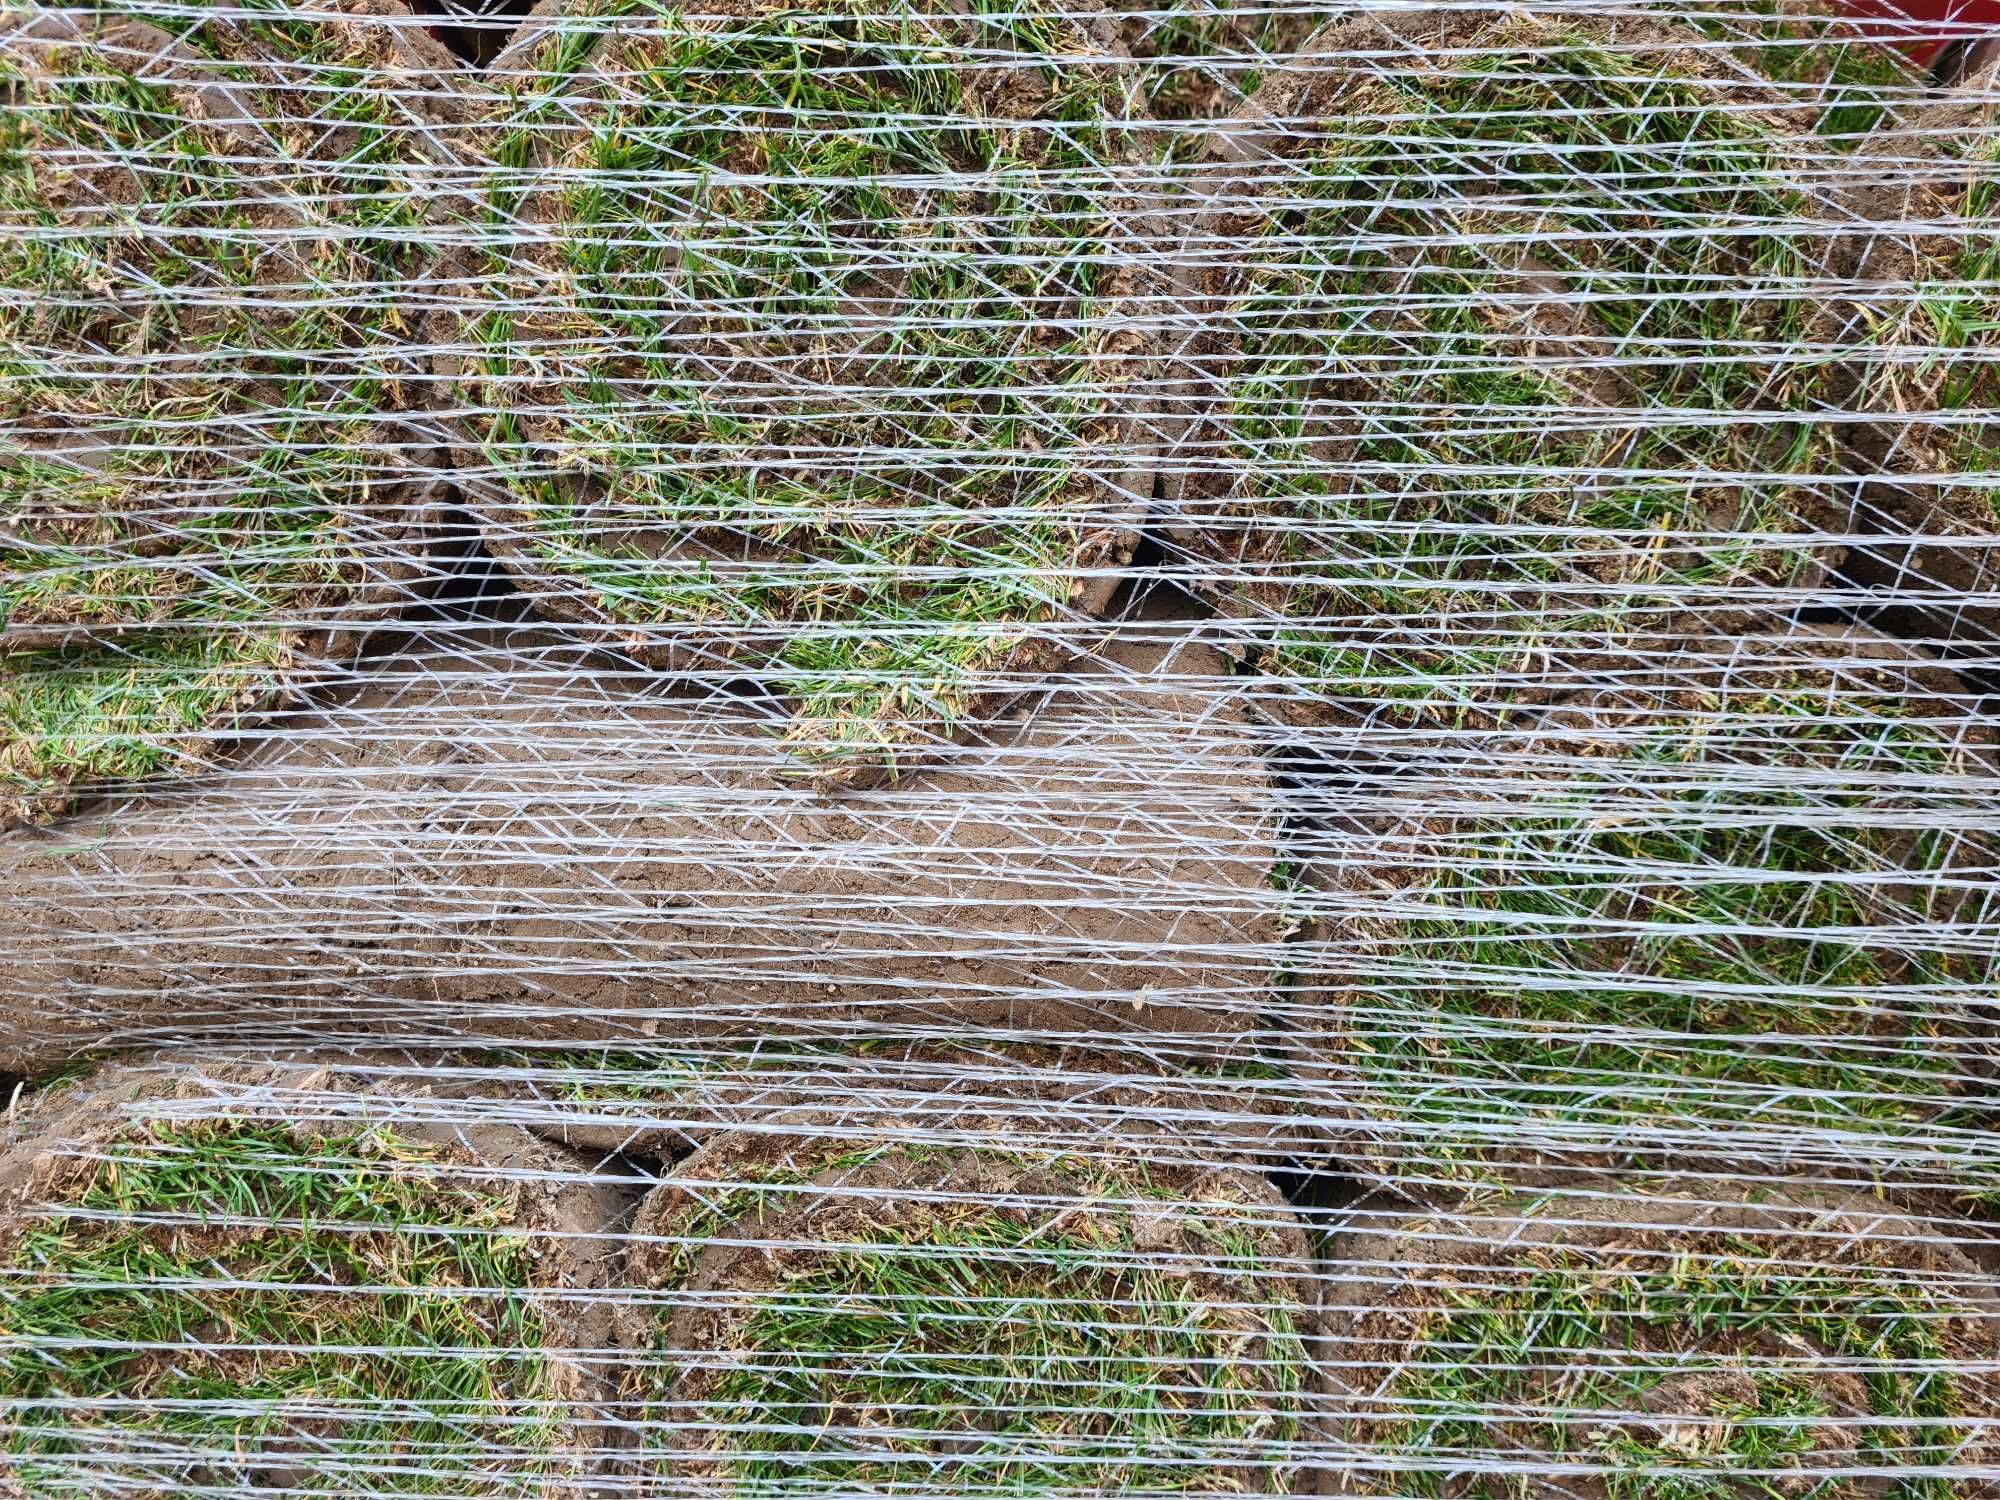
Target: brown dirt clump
point(1701, 1341)
point(1007, 1317)
point(250, 1273)
point(502, 837)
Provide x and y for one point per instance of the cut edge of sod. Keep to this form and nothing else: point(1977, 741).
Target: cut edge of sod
point(661, 1102)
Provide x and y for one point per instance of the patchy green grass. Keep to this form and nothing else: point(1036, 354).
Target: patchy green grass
point(228, 1304)
point(1420, 434)
point(1927, 363)
point(915, 494)
point(1693, 936)
point(142, 707)
point(981, 1347)
point(1645, 1367)
point(1848, 83)
point(1843, 83)
point(208, 379)
point(1203, 58)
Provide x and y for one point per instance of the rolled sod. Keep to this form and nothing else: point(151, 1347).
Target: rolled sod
point(1740, 915)
point(213, 266)
point(808, 339)
point(839, 1314)
point(237, 1276)
point(486, 841)
point(1699, 1343)
point(1508, 347)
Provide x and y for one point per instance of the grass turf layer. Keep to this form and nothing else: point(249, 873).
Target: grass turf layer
point(1729, 921)
point(236, 1304)
point(1660, 1349)
point(1508, 352)
point(1109, 1336)
point(200, 347)
point(814, 358)
point(119, 711)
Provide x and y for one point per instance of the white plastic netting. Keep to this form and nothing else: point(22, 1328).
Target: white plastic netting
point(919, 747)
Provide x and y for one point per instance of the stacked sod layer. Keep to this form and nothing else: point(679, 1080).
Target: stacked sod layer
point(486, 840)
point(1741, 914)
point(1493, 365)
point(806, 342)
point(235, 1299)
point(890, 1318)
point(1920, 338)
point(212, 241)
point(1660, 1348)
point(660, 1102)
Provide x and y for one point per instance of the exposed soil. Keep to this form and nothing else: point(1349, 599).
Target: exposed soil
point(658, 1105)
point(1923, 189)
point(475, 31)
point(502, 836)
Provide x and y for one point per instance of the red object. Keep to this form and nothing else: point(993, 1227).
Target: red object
point(1928, 32)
